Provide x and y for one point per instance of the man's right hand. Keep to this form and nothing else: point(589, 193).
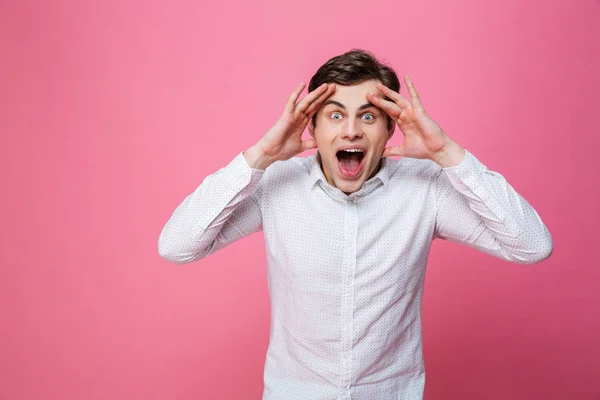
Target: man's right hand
point(284, 139)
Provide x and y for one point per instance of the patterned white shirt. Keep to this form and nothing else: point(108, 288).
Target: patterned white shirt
point(346, 272)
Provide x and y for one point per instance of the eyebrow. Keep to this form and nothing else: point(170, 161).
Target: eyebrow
point(337, 103)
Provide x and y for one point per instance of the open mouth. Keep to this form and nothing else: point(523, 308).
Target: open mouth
point(350, 162)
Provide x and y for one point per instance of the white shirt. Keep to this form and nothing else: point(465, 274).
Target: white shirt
point(345, 272)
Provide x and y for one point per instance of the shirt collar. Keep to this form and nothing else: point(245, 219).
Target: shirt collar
point(316, 174)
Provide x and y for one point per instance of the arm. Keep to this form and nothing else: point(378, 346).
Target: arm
point(475, 206)
point(220, 211)
point(478, 207)
point(223, 208)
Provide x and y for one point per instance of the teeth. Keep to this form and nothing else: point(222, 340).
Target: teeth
point(353, 150)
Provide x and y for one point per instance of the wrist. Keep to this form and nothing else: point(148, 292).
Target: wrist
point(450, 156)
point(256, 158)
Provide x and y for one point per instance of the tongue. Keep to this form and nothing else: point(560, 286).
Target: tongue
point(350, 161)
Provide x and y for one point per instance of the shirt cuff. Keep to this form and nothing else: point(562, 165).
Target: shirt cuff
point(241, 175)
point(467, 174)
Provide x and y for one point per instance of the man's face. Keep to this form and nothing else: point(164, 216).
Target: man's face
point(347, 120)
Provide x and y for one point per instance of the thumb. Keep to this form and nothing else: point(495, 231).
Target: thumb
point(393, 151)
point(309, 144)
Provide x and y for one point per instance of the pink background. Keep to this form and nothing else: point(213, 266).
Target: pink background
point(111, 112)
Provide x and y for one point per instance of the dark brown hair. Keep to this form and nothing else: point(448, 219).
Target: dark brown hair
point(354, 67)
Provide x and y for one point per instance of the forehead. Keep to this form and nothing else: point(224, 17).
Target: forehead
point(353, 96)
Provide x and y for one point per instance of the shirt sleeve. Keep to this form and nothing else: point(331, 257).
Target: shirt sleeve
point(479, 208)
point(220, 211)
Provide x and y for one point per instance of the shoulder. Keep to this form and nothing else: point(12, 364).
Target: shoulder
point(292, 172)
point(295, 166)
point(413, 169)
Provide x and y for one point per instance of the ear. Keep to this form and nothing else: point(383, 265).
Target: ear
point(311, 128)
point(391, 132)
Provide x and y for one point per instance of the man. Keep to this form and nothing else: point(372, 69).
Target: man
point(348, 231)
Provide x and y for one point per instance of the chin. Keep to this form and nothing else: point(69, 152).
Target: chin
point(350, 187)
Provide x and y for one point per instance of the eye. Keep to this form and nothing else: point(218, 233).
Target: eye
point(369, 115)
point(334, 114)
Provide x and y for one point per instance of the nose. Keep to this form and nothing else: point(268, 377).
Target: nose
point(351, 129)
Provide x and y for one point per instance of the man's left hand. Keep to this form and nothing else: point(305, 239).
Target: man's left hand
point(423, 137)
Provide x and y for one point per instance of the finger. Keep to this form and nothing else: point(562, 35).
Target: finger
point(414, 96)
point(402, 101)
point(393, 151)
point(314, 106)
point(309, 144)
point(289, 105)
point(392, 109)
point(309, 98)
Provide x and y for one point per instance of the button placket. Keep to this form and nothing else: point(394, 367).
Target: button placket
point(350, 237)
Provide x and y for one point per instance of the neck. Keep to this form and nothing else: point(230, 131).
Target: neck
point(376, 170)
